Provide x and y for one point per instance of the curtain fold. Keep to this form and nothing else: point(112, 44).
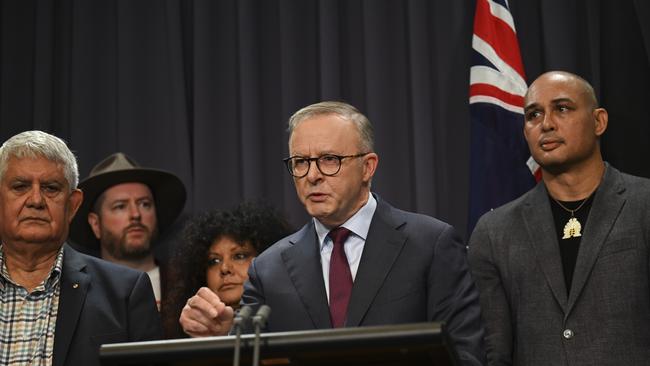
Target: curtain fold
point(204, 88)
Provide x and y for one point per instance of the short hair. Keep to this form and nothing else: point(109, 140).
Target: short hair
point(586, 87)
point(33, 144)
point(343, 110)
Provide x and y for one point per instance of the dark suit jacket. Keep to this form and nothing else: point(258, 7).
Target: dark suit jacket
point(171, 329)
point(515, 259)
point(101, 302)
point(413, 269)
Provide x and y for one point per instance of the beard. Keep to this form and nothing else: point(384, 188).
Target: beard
point(121, 247)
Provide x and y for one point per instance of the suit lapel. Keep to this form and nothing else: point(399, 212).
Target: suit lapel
point(604, 211)
point(383, 244)
point(543, 239)
point(302, 261)
point(74, 286)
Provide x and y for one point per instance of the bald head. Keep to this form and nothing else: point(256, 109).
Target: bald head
point(573, 82)
point(563, 123)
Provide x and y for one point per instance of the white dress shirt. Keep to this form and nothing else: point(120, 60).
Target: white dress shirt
point(358, 224)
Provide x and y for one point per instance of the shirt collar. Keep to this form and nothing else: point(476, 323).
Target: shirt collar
point(50, 281)
point(55, 273)
point(4, 275)
point(358, 224)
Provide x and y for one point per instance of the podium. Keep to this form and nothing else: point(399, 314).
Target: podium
point(403, 344)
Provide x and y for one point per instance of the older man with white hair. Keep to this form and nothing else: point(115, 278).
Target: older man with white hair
point(58, 306)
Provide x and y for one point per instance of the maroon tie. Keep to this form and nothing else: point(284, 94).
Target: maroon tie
point(340, 278)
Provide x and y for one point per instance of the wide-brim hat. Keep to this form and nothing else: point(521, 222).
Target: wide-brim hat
point(167, 189)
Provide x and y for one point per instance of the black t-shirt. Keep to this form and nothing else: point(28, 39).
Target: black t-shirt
point(569, 247)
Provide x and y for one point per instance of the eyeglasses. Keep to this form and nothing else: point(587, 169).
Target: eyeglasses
point(328, 164)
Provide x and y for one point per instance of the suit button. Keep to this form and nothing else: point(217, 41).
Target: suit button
point(567, 334)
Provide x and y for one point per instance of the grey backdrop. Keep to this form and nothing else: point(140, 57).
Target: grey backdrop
point(204, 88)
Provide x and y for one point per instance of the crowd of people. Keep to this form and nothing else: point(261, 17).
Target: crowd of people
point(559, 276)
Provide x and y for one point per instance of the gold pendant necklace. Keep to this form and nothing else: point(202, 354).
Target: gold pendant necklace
point(573, 228)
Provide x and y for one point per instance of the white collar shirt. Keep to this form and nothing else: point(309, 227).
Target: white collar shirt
point(358, 224)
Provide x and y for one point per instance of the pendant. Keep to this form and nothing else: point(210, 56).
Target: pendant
point(572, 229)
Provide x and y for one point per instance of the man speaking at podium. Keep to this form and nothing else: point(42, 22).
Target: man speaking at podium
point(359, 261)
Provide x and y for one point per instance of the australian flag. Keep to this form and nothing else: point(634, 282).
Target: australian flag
point(501, 167)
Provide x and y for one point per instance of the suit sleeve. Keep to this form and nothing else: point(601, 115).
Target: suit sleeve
point(253, 292)
point(253, 295)
point(494, 303)
point(144, 318)
point(454, 297)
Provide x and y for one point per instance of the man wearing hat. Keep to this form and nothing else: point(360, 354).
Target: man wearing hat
point(124, 208)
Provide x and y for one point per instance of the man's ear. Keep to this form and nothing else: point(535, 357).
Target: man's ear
point(93, 221)
point(601, 118)
point(74, 202)
point(370, 162)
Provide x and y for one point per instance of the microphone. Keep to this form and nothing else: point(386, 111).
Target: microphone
point(243, 315)
point(259, 321)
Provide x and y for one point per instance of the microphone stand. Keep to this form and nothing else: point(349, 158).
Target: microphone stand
point(242, 316)
point(259, 321)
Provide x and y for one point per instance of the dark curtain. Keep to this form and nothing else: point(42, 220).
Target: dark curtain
point(204, 88)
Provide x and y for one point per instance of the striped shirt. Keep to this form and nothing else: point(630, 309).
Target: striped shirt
point(27, 320)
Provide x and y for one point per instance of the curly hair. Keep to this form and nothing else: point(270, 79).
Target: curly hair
point(255, 223)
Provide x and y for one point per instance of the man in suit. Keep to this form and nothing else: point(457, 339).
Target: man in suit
point(58, 305)
point(393, 266)
point(125, 207)
point(563, 271)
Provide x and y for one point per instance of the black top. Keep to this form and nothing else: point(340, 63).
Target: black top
point(569, 247)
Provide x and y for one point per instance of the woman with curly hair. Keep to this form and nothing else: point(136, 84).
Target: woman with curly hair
point(217, 248)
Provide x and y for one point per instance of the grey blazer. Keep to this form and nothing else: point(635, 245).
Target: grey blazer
point(101, 302)
point(413, 269)
point(515, 260)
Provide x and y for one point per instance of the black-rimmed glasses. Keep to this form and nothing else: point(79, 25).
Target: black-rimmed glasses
point(328, 164)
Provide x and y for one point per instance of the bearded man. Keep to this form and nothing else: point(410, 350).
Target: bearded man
point(125, 208)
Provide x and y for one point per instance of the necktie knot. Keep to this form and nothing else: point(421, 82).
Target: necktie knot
point(339, 235)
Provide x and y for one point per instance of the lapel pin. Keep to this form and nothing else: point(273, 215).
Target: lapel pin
point(75, 285)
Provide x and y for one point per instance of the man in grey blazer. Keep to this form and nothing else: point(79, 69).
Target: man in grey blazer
point(563, 271)
point(58, 306)
point(394, 266)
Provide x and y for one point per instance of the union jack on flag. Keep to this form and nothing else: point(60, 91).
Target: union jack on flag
point(501, 167)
